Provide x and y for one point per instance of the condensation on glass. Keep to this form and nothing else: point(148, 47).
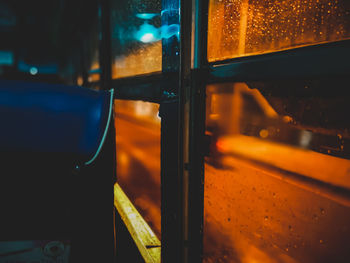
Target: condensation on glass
point(136, 37)
point(249, 27)
point(137, 126)
point(277, 185)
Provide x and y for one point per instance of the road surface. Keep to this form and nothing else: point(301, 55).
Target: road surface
point(253, 212)
point(138, 166)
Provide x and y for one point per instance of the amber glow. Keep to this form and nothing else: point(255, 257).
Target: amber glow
point(142, 61)
point(80, 80)
point(240, 27)
point(139, 110)
point(94, 76)
point(252, 214)
point(318, 166)
point(264, 198)
point(138, 157)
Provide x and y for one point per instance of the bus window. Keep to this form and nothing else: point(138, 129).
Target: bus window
point(277, 173)
point(138, 157)
point(241, 27)
point(136, 37)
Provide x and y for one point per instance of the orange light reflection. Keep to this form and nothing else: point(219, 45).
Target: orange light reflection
point(144, 60)
point(138, 157)
point(240, 27)
point(266, 200)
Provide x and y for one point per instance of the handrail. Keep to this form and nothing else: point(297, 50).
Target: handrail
point(143, 236)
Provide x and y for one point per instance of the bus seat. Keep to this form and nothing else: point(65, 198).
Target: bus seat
point(57, 173)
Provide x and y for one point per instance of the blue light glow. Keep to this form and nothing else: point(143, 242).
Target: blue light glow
point(148, 38)
point(6, 57)
point(146, 16)
point(170, 10)
point(147, 33)
point(33, 71)
point(167, 31)
point(43, 69)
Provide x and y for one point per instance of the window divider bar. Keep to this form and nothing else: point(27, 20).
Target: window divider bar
point(146, 87)
point(316, 61)
point(195, 115)
point(171, 178)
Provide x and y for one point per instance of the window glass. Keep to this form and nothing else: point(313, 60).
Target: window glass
point(138, 157)
point(277, 173)
point(136, 37)
point(248, 27)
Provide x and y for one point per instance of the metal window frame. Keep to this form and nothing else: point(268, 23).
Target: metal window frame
point(315, 61)
point(161, 88)
point(330, 59)
point(181, 173)
point(180, 91)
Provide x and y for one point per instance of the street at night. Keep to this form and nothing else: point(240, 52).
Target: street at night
point(256, 209)
point(138, 164)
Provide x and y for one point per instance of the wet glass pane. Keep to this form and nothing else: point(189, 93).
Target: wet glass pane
point(138, 157)
point(277, 185)
point(136, 37)
point(248, 27)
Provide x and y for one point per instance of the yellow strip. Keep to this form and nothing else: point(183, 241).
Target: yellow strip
point(143, 236)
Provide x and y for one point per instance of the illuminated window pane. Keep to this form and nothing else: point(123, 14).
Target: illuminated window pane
point(277, 176)
point(248, 27)
point(136, 37)
point(138, 157)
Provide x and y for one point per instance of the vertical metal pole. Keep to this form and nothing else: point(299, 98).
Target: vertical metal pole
point(170, 46)
point(197, 129)
point(184, 116)
point(183, 123)
point(171, 179)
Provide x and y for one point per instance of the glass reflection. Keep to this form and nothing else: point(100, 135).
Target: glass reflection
point(138, 157)
point(136, 37)
point(274, 148)
point(248, 27)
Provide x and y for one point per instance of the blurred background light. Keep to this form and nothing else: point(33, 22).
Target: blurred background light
point(147, 33)
point(146, 16)
point(33, 71)
point(6, 57)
